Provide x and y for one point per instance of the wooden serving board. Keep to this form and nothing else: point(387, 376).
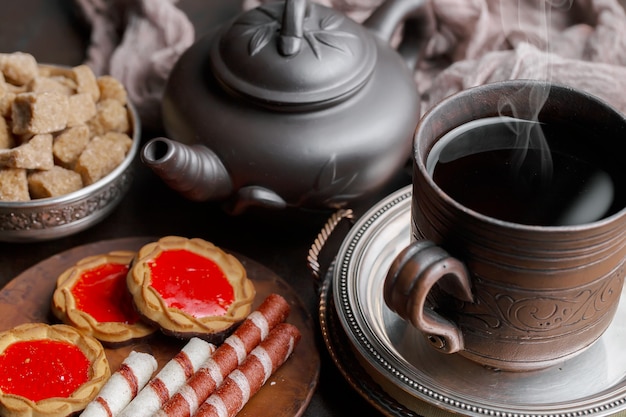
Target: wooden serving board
point(26, 299)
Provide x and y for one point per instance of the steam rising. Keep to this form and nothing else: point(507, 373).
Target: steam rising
point(577, 192)
point(530, 135)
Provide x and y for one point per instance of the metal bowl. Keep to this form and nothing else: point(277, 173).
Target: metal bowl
point(56, 217)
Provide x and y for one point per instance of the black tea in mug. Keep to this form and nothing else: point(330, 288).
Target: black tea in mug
point(528, 172)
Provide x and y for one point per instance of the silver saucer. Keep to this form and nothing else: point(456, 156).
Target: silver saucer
point(397, 357)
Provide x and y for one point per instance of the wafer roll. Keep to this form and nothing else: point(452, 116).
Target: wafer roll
point(169, 379)
point(133, 374)
point(249, 377)
point(226, 358)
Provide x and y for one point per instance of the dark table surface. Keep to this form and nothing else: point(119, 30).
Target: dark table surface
point(51, 31)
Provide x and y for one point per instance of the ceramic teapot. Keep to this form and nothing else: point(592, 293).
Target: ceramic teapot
point(291, 104)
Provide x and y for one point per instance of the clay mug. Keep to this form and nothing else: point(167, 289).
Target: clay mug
point(528, 283)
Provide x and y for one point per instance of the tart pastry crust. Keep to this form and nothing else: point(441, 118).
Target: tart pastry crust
point(176, 321)
point(65, 306)
point(12, 405)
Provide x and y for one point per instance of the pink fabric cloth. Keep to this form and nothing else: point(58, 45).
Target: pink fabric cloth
point(581, 43)
point(138, 42)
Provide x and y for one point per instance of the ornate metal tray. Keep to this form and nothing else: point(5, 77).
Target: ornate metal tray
point(411, 373)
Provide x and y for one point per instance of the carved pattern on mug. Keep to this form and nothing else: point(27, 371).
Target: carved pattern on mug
point(536, 312)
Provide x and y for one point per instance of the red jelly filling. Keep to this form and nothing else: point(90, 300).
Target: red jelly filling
point(102, 293)
point(40, 369)
point(191, 283)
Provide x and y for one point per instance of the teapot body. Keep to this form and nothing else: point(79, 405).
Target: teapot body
point(312, 111)
point(317, 158)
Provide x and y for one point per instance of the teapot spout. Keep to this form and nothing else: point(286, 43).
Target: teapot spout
point(195, 171)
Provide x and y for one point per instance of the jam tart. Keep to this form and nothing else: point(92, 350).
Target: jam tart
point(92, 296)
point(49, 370)
point(190, 288)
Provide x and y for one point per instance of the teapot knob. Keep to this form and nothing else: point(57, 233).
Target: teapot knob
point(292, 54)
point(292, 29)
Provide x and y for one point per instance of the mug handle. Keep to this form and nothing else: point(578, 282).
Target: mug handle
point(411, 276)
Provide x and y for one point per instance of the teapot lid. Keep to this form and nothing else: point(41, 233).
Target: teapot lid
point(293, 53)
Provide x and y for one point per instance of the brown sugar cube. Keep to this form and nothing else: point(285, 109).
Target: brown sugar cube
point(10, 90)
point(80, 78)
point(102, 155)
point(69, 144)
point(13, 185)
point(56, 71)
point(112, 88)
point(34, 113)
point(4, 87)
point(17, 88)
point(6, 104)
point(86, 81)
point(53, 182)
point(50, 84)
point(36, 153)
point(63, 75)
point(19, 68)
point(111, 115)
point(69, 83)
point(81, 109)
point(6, 138)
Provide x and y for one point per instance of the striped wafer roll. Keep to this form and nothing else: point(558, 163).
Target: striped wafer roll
point(133, 374)
point(169, 379)
point(226, 358)
point(249, 377)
